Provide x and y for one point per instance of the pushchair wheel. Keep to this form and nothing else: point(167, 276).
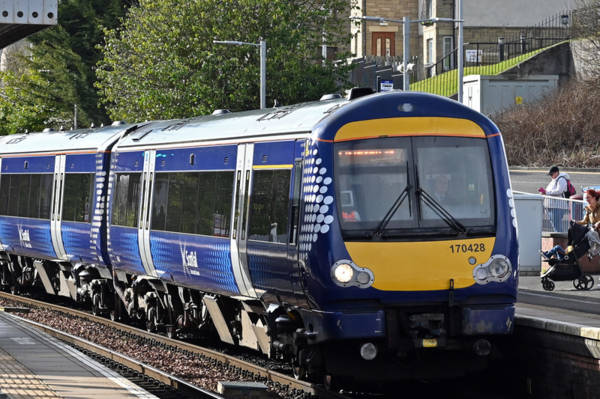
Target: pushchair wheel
point(585, 282)
point(547, 284)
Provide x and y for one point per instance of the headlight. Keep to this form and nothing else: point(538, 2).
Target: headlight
point(497, 269)
point(343, 273)
point(346, 273)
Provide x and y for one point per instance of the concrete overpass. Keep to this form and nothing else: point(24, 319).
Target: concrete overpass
point(21, 18)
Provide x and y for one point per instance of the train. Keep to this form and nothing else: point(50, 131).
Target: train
point(370, 237)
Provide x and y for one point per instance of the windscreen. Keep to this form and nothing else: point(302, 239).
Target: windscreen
point(406, 186)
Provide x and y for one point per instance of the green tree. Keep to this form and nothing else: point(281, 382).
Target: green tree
point(57, 70)
point(162, 63)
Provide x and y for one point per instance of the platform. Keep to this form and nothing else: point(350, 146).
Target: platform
point(565, 306)
point(35, 365)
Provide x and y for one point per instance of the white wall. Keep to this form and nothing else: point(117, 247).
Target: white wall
point(512, 13)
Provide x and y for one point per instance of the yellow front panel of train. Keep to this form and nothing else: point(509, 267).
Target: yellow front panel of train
point(421, 266)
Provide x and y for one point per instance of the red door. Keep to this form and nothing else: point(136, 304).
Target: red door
point(383, 44)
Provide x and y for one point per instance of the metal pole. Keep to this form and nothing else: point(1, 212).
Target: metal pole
point(75, 117)
point(460, 51)
point(263, 74)
point(405, 52)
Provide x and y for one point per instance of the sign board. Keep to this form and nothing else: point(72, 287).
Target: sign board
point(474, 56)
point(386, 85)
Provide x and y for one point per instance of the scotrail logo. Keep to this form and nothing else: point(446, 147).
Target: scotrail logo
point(24, 239)
point(189, 259)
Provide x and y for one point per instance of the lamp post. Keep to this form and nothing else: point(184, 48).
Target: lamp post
point(262, 45)
point(405, 21)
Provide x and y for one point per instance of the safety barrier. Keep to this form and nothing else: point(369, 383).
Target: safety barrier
point(558, 212)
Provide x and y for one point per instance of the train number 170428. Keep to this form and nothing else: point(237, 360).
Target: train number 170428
point(464, 248)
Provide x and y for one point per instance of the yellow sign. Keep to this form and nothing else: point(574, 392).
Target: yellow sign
point(518, 100)
point(430, 343)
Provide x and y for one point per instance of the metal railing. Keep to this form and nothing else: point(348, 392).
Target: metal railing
point(489, 57)
point(558, 212)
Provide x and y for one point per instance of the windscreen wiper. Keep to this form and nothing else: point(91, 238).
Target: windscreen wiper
point(441, 212)
point(390, 213)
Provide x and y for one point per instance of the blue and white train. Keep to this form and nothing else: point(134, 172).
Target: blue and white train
point(372, 238)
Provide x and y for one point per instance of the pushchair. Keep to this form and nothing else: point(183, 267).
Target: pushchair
point(568, 267)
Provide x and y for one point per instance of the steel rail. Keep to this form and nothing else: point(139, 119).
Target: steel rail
point(126, 361)
point(286, 380)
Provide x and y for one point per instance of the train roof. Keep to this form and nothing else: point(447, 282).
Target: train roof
point(306, 118)
point(61, 141)
point(299, 118)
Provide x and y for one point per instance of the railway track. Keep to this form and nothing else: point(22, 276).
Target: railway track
point(283, 383)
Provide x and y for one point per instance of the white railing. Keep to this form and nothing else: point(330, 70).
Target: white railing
point(558, 212)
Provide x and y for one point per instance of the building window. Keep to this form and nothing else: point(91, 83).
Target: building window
point(428, 8)
point(448, 53)
point(429, 59)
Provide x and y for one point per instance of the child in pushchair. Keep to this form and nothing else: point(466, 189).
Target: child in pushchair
point(565, 266)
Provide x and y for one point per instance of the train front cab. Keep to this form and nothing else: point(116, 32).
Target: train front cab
point(422, 270)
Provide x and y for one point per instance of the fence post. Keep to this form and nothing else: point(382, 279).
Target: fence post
point(501, 49)
point(523, 43)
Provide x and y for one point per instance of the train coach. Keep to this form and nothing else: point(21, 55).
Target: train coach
point(371, 238)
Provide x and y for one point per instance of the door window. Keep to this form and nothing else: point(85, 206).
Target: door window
point(126, 200)
point(78, 197)
point(269, 218)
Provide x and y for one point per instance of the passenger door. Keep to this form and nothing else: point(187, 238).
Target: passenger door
point(57, 206)
point(239, 261)
point(144, 213)
point(271, 256)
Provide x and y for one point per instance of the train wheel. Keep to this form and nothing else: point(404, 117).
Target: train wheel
point(171, 332)
point(331, 383)
point(152, 319)
point(96, 304)
point(299, 371)
point(547, 284)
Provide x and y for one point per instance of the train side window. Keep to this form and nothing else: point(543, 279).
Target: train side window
point(16, 185)
point(78, 197)
point(4, 193)
point(175, 202)
point(269, 206)
point(159, 201)
point(126, 199)
point(24, 187)
point(193, 202)
point(45, 195)
point(215, 215)
point(33, 208)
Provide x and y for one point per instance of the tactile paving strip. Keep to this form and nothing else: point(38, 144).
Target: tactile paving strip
point(17, 382)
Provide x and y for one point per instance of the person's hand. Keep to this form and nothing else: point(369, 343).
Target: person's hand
point(542, 190)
